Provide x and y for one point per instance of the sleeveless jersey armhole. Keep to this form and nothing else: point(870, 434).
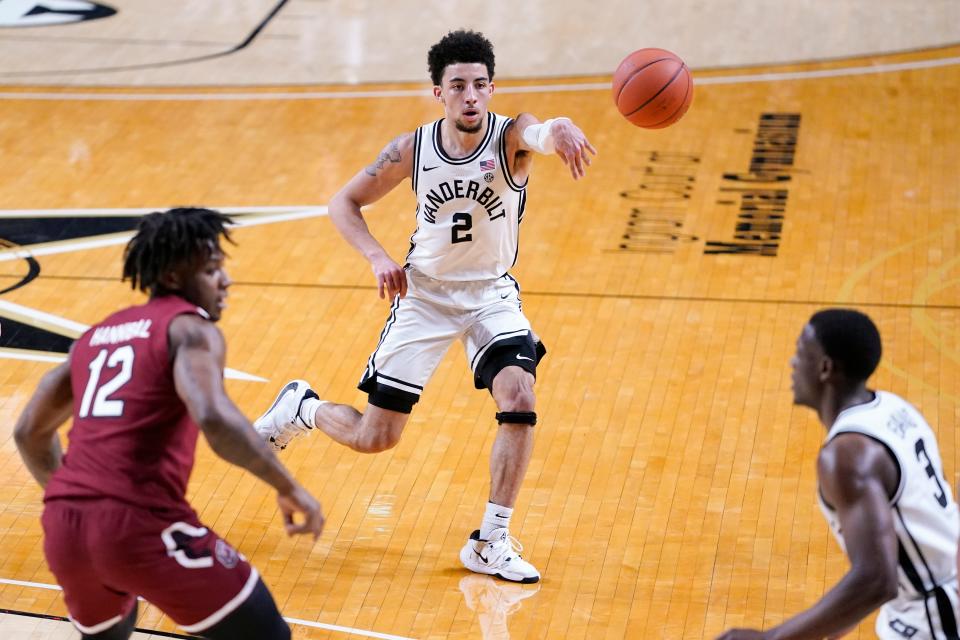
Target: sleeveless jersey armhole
point(417, 135)
point(167, 346)
point(504, 160)
point(901, 480)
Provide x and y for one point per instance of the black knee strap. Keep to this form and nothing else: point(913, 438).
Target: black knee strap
point(517, 417)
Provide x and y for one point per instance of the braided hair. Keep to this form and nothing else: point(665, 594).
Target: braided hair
point(166, 239)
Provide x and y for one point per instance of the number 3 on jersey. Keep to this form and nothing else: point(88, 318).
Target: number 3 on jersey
point(103, 407)
point(922, 457)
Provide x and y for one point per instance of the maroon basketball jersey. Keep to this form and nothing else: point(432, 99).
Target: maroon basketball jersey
point(132, 438)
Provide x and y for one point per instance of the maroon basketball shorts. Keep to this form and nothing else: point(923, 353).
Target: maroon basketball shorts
point(105, 553)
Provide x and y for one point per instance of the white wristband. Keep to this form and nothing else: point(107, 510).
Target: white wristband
point(539, 137)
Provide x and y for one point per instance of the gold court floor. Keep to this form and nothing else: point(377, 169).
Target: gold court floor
point(671, 492)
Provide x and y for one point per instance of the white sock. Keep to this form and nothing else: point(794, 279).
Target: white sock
point(495, 517)
point(308, 411)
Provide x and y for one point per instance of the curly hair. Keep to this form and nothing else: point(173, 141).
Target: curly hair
point(849, 338)
point(166, 239)
point(459, 46)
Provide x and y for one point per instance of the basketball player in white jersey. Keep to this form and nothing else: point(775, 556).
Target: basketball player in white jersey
point(469, 172)
point(882, 490)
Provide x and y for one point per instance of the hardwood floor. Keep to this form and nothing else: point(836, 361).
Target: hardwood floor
point(672, 489)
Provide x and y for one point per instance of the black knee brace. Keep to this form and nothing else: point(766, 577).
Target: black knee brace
point(517, 417)
point(519, 351)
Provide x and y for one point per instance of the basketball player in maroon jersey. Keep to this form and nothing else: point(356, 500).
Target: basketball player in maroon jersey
point(140, 386)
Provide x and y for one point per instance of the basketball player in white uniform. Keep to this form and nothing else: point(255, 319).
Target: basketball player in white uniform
point(469, 171)
point(882, 490)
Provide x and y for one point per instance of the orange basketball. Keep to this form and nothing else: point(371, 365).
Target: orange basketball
point(652, 88)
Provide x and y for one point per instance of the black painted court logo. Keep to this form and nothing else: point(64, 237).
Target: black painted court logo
point(44, 13)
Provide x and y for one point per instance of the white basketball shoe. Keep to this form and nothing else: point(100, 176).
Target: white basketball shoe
point(282, 422)
point(499, 556)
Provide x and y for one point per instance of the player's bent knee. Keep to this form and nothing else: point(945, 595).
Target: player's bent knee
point(517, 417)
point(377, 442)
point(380, 429)
point(516, 399)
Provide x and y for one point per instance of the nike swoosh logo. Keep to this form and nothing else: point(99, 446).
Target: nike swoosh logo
point(520, 357)
point(287, 389)
point(481, 557)
point(426, 168)
point(504, 296)
point(500, 515)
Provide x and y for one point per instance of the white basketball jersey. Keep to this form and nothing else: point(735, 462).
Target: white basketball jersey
point(468, 209)
point(924, 511)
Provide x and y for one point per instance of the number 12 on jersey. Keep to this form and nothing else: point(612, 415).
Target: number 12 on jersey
point(99, 395)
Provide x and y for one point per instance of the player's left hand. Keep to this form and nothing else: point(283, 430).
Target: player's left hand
point(742, 634)
point(299, 500)
point(572, 146)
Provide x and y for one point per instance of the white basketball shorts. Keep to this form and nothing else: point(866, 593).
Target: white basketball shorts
point(932, 618)
point(484, 315)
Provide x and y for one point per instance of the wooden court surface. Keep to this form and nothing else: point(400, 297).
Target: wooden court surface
point(671, 491)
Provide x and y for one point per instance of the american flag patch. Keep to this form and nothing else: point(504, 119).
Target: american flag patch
point(488, 165)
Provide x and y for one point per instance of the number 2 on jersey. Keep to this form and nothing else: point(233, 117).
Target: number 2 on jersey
point(463, 223)
point(103, 407)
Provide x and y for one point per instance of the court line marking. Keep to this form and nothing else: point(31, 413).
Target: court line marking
point(68, 328)
point(55, 358)
point(42, 320)
point(131, 211)
point(272, 214)
point(935, 281)
point(45, 321)
point(846, 289)
point(35, 585)
point(846, 294)
point(297, 621)
point(425, 92)
point(51, 619)
point(20, 354)
point(162, 63)
point(296, 212)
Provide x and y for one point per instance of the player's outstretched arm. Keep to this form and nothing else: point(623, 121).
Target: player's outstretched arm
point(857, 477)
point(198, 363)
point(36, 430)
point(556, 135)
point(392, 166)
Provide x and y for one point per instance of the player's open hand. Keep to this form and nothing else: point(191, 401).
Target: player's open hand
point(572, 146)
point(299, 501)
point(391, 278)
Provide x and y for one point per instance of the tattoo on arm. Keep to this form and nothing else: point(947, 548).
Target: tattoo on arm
point(391, 153)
